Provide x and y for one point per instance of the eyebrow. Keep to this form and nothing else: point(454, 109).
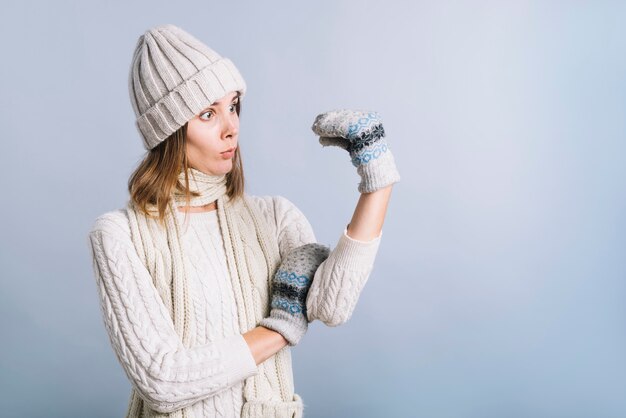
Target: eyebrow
point(217, 103)
point(236, 96)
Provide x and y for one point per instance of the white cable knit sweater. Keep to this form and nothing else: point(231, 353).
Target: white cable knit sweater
point(119, 273)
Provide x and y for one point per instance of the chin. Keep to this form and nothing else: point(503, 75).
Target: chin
point(223, 169)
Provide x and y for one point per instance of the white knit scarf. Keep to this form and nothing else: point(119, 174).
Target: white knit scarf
point(252, 258)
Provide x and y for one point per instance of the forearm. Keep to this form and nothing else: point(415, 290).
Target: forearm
point(369, 214)
point(264, 343)
point(339, 280)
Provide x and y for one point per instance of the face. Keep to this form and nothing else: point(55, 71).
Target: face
point(210, 133)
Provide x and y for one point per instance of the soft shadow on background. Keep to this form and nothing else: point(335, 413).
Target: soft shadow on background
point(499, 286)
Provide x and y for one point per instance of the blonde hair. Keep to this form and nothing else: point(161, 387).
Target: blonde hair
point(156, 176)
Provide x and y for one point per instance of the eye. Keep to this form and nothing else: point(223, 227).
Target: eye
point(208, 112)
point(234, 106)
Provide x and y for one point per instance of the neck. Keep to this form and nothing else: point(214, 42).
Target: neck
point(195, 209)
point(210, 188)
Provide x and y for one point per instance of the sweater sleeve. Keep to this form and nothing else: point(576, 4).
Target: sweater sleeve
point(165, 374)
point(339, 280)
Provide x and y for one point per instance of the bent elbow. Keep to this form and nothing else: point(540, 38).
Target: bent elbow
point(163, 402)
point(336, 320)
point(331, 318)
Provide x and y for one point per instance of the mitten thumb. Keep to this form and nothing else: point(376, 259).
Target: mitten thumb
point(337, 142)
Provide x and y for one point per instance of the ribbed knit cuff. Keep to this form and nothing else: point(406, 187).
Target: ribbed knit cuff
point(238, 359)
point(378, 173)
point(356, 254)
point(292, 327)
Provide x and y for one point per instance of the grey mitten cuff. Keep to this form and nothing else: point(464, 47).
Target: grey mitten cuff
point(289, 288)
point(361, 133)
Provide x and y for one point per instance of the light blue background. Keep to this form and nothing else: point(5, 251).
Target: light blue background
point(499, 286)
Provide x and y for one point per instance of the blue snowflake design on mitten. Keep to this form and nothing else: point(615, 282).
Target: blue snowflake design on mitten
point(367, 129)
point(369, 154)
point(288, 306)
point(293, 278)
point(290, 290)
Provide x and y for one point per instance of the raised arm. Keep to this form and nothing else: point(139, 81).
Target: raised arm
point(339, 280)
point(369, 215)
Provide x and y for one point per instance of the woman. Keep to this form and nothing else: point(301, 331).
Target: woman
point(203, 287)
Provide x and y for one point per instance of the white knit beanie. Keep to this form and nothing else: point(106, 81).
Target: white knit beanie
point(174, 76)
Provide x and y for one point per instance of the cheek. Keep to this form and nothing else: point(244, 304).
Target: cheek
point(204, 139)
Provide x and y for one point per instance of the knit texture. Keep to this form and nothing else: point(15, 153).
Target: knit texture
point(173, 76)
point(252, 256)
point(209, 376)
point(361, 133)
point(290, 287)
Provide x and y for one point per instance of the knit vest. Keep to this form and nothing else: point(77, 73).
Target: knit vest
point(252, 259)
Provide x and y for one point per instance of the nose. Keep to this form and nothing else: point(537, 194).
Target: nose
point(230, 127)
